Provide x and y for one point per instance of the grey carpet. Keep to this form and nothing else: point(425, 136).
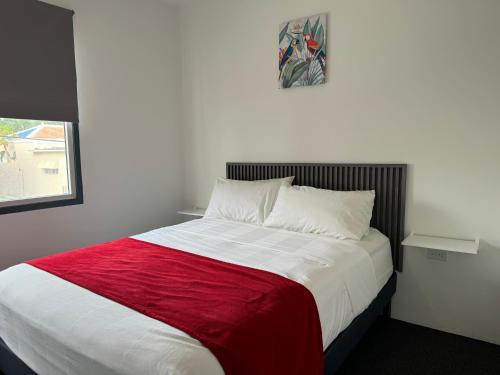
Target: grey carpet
point(395, 347)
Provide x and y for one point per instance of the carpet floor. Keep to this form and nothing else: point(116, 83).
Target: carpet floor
point(395, 347)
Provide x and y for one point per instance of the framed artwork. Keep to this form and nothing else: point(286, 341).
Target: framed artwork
point(302, 52)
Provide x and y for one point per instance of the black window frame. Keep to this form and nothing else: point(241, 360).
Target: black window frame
point(77, 199)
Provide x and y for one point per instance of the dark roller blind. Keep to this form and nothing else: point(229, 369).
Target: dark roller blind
point(37, 61)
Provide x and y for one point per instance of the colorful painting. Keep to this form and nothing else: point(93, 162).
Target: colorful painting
point(302, 52)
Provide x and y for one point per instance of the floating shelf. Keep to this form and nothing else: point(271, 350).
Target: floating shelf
point(193, 211)
point(442, 243)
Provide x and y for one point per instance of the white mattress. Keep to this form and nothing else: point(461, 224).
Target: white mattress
point(59, 328)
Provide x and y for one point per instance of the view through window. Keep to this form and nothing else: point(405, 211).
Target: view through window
point(34, 160)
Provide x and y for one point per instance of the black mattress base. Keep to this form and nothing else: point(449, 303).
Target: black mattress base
point(10, 364)
point(340, 348)
point(335, 354)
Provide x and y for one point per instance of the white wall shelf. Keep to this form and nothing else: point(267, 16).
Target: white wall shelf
point(442, 243)
point(193, 211)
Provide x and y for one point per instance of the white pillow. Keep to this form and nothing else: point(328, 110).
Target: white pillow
point(341, 214)
point(247, 201)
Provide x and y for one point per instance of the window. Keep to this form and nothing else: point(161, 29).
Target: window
point(51, 171)
point(39, 158)
point(39, 164)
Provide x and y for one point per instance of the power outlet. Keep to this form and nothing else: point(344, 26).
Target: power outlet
point(436, 255)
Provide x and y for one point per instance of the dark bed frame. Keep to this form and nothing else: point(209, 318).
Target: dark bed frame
point(389, 183)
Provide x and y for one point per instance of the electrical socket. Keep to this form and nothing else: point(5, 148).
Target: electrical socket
point(436, 255)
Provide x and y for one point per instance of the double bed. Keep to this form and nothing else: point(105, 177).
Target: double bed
point(51, 326)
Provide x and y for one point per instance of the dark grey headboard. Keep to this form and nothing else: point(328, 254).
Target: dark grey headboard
point(388, 181)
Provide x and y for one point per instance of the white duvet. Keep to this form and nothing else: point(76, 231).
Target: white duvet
point(56, 327)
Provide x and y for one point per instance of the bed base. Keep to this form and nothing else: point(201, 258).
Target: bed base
point(10, 364)
point(335, 354)
point(340, 348)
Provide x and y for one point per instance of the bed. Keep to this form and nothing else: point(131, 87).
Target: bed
point(352, 283)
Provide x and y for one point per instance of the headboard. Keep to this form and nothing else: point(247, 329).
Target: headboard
point(388, 181)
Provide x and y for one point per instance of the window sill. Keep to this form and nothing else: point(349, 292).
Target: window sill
point(41, 205)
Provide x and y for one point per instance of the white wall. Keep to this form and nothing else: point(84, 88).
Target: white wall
point(128, 85)
point(416, 82)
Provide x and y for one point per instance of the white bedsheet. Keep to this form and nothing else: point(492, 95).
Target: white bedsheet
point(59, 328)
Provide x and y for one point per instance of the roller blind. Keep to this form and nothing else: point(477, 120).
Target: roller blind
point(37, 61)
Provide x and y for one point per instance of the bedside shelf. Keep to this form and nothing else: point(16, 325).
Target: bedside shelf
point(442, 243)
point(193, 211)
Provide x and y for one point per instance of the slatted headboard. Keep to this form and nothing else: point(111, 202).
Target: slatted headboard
point(388, 181)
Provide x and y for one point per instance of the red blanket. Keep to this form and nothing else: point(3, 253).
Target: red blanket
point(253, 321)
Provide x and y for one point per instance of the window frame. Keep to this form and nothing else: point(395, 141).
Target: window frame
point(75, 180)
